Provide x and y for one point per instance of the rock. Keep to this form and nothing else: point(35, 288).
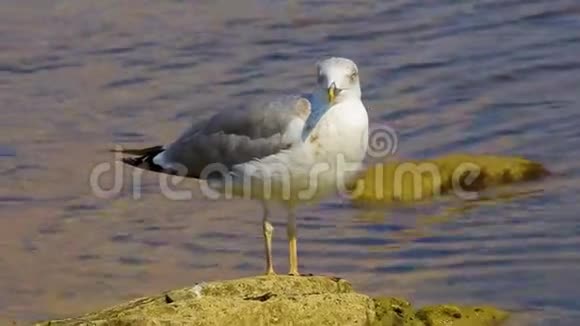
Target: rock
point(394, 311)
point(413, 181)
point(279, 300)
point(461, 316)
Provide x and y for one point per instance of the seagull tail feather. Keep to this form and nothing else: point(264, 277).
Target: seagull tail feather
point(144, 157)
point(138, 151)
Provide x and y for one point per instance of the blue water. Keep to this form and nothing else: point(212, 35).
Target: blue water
point(490, 76)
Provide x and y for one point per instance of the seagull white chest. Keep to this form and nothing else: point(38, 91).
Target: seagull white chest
point(341, 134)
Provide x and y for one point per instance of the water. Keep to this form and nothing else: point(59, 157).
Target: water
point(77, 77)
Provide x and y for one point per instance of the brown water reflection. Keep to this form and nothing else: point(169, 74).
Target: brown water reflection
point(78, 76)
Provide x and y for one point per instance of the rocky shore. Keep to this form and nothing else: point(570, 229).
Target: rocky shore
point(281, 300)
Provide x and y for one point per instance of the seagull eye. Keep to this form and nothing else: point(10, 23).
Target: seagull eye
point(320, 78)
point(353, 76)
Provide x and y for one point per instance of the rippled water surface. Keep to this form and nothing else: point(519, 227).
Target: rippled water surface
point(489, 76)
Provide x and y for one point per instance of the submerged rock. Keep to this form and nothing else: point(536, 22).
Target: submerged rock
point(414, 181)
point(280, 300)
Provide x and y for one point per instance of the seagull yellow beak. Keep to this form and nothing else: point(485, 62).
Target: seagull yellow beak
point(331, 93)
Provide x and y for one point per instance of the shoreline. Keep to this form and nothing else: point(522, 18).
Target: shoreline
point(281, 300)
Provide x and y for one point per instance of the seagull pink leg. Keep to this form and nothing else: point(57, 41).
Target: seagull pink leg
point(292, 243)
point(268, 229)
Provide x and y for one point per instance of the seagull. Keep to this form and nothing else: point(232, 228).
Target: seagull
point(292, 150)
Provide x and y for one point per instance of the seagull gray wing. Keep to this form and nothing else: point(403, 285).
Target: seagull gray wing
point(236, 136)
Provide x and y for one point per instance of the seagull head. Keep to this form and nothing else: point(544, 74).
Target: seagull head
point(338, 79)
